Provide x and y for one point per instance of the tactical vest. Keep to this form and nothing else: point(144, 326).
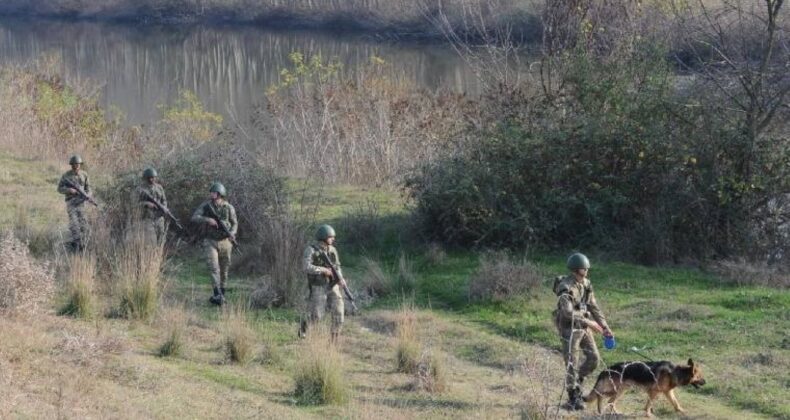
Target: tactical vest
point(315, 259)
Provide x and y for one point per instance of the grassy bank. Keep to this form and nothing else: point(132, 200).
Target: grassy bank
point(500, 358)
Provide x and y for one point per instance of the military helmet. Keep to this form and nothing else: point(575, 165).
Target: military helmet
point(75, 160)
point(577, 261)
point(218, 188)
point(324, 232)
point(150, 173)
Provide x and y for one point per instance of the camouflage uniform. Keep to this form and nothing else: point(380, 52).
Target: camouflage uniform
point(576, 310)
point(155, 218)
point(75, 207)
point(323, 289)
point(216, 245)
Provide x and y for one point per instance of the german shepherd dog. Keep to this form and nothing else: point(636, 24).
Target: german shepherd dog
point(653, 377)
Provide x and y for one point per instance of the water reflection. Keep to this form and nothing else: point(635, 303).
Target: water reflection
point(228, 67)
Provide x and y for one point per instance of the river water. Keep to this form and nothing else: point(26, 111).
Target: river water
point(229, 68)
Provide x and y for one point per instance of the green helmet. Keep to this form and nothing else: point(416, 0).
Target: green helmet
point(577, 261)
point(324, 232)
point(75, 160)
point(218, 188)
point(150, 173)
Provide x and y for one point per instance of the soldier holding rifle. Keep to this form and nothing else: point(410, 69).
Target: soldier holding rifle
point(325, 280)
point(74, 184)
point(218, 220)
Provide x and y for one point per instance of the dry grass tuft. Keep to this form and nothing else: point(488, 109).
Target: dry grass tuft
point(25, 284)
point(435, 253)
point(176, 321)
point(240, 340)
point(137, 266)
point(500, 278)
point(319, 377)
point(79, 299)
point(431, 374)
point(407, 350)
point(375, 282)
point(406, 281)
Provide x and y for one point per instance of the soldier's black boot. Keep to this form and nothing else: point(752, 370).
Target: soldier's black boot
point(217, 298)
point(303, 329)
point(221, 295)
point(578, 402)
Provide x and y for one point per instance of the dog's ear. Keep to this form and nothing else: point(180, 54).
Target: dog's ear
point(691, 363)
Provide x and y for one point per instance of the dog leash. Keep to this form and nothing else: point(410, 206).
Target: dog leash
point(637, 351)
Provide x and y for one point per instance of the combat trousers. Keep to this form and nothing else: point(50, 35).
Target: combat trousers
point(218, 259)
point(330, 298)
point(78, 225)
point(156, 228)
point(573, 341)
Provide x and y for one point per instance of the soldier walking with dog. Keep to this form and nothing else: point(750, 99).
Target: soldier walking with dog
point(576, 317)
point(325, 287)
point(151, 192)
point(75, 185)
point(217, 217)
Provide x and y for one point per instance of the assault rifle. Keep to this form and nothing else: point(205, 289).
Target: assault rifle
point(221, 225)
point(80, 192)
point(336, 279)
point(161, 207)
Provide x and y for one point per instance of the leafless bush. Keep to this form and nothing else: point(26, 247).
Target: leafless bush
point(265, 295)
point(500, 278)
point(282, 248)
point(366, 128)
point(26, 285)
point(544, 391)
point(743, 273)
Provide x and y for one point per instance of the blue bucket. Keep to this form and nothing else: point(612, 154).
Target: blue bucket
point(608, 342)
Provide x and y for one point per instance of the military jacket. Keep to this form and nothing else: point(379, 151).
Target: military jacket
point(158, 193)
point(313, 262)
point(576, 304)
point(226, 213)
point(80, 179)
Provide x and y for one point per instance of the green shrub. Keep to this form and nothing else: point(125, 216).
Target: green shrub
point(618, 162)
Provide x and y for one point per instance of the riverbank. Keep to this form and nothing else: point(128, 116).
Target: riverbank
point(395, 20)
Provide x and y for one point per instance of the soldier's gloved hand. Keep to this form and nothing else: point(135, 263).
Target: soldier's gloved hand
point(150, 205)
point(608, 333)
point(72, 191)
point(326, 272)
point(212, 222)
